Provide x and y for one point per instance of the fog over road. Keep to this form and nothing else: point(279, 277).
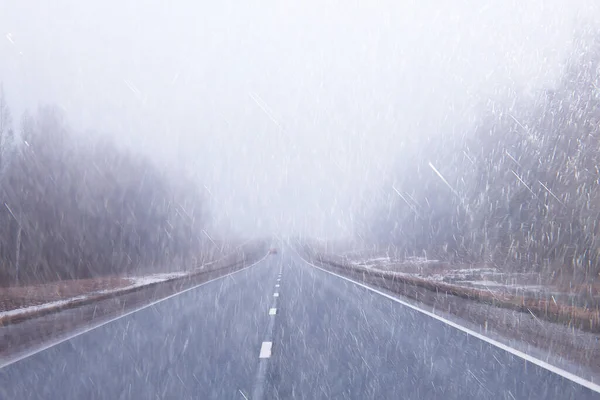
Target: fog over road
point(142, 139)
point(290, 116)
point(282, 329)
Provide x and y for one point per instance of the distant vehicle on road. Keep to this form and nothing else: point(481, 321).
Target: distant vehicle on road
point(272, 250)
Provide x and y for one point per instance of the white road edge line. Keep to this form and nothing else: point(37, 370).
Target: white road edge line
point(275, 294)
point(272, 311)
point(90, 328)
point(565, 374)
point(265, 350)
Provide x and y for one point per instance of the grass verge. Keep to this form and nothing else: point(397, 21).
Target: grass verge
point(586, 319)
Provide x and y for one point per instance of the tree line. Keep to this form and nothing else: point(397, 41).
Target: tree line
point(520, 191)
point(73, 207)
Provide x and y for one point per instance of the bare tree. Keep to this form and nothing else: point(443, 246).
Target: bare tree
point(79, 208)
point(520, 190)
point(6, 130)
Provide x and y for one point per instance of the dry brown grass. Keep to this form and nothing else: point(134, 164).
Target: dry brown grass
point(25, 296)
point(19, 297)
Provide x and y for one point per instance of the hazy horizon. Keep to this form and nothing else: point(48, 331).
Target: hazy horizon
point(289, 114)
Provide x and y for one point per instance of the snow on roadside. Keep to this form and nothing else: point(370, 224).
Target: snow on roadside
point(148, 279)
point(136, 281)
point(420, 260)
point(471, 271)
point(362, 264)
point(372, 262)
point(50, 305)
point(380, 259)
point(507, 285)
point(479, 277)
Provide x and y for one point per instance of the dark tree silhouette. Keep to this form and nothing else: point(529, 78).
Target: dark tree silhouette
point(77, 209)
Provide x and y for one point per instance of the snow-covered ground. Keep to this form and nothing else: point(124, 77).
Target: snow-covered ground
point(528, 284)
point(135, 281)
point(436, 270)
point(41, 307)
point(148, 279)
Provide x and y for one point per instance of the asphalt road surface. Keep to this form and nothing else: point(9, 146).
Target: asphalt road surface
point(281, 329)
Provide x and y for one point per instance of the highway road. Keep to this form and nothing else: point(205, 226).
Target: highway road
point(282, 329)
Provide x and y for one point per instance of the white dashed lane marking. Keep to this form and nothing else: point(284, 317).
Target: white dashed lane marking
point(265, 350)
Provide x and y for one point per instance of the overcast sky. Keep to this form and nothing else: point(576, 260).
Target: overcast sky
point(290, 113)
